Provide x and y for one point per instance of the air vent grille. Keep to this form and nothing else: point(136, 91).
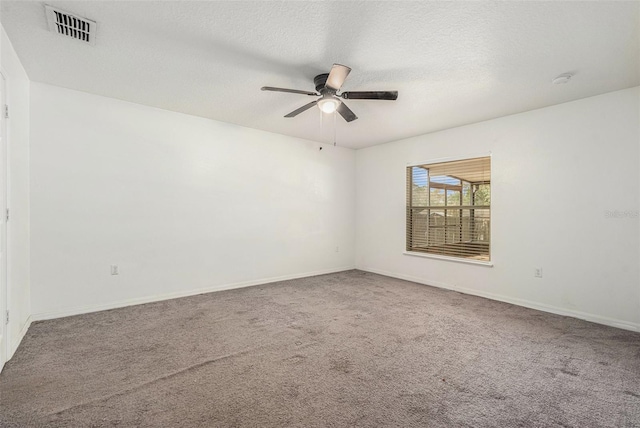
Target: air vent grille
point(70, 25)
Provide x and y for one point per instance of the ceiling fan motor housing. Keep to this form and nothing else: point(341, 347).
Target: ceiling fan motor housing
point(320, 80)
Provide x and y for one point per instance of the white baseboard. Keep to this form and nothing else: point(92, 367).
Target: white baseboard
point(626, 325)
point(157, 298)
point(16, 342)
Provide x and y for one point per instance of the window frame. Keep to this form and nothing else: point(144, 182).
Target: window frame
point(408, 207)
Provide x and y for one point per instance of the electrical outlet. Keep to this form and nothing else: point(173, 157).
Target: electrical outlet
point(337, 249)
point(114, 270)
point(537, 272)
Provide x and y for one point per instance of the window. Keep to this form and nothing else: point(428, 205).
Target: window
point(449, 208)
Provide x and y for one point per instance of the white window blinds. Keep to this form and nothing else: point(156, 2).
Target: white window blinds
point(449, 208)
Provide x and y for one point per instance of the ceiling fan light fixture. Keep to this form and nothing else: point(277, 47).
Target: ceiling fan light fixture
point(328, 104)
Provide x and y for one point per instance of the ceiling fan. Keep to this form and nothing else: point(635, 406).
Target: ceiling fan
point(327, 87)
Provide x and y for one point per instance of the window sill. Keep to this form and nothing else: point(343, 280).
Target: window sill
point(449, 259)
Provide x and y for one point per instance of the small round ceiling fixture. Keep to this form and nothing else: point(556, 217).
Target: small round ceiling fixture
point(562, 79)
point(328, 104)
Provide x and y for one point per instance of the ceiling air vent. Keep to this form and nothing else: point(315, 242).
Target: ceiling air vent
point(70, 25)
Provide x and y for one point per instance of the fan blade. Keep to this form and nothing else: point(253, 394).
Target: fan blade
point(337, 76)
point(346, 113)
point(370, 95)
point(293, 91)
point(301, 109)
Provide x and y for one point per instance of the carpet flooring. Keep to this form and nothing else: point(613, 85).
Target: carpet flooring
point(351, 349)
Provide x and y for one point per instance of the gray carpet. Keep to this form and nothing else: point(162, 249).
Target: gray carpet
point(351, 349)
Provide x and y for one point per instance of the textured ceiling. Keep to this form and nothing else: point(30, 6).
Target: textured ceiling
point(453, 63)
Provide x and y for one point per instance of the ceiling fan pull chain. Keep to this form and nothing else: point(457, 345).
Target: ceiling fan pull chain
point(334, 129)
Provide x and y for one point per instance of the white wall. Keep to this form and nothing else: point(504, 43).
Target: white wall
point(555, 173)
point(184, 204)
point(18, 192)
point(179, 203)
